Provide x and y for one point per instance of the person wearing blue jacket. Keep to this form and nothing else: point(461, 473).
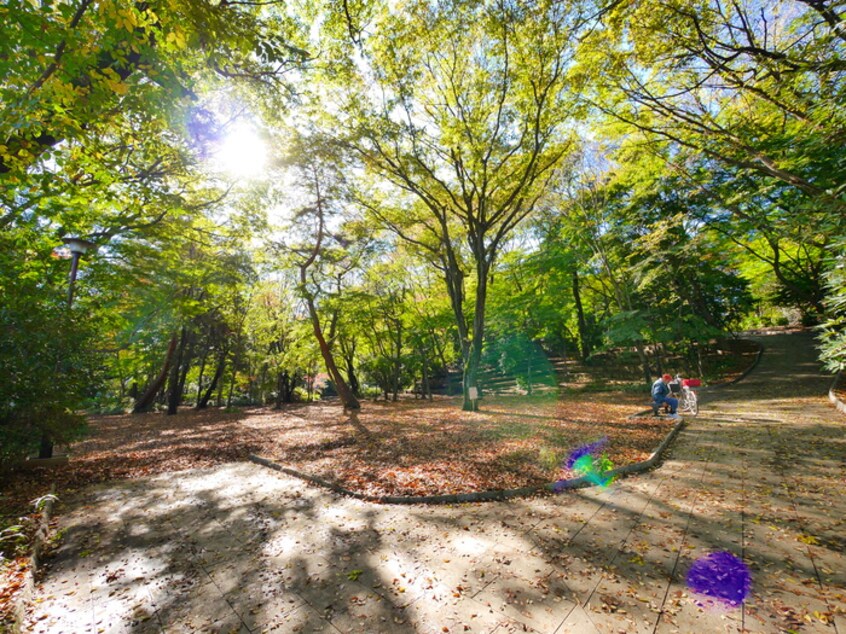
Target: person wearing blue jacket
point(661, 395)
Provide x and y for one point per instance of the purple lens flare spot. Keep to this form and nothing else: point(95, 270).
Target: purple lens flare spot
point(720, 576)
point(581, 461)
point(585, 450)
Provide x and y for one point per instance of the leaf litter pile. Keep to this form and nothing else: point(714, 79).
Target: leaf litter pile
point(422, 448)
point(411, 447)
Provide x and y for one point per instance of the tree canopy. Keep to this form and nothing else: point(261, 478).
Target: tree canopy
point(452, 189)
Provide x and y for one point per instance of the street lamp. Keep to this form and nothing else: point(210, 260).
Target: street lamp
point(77, 247)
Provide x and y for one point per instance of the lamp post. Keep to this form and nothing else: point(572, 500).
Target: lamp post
point(77, 247)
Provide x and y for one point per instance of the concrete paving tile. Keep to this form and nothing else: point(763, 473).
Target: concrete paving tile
point(689, 615)
point(779, 604)
point(62, 612)
point(607, 619)
point(622, 602)
point(506, 561)
point(230, 574)
point(541, 603)
point(303, 620)
point(215, 542)
point(405, 577)
point(578, 621)
point(554, 535)
point(579, 575)
point(131, 611)
point(458, 615)
point(355, 608)
point(777, 553)
point(346, 603)
point(65, 594)
point(263, 601)
point(516, 627)
point(291, 541)
point(200, 609)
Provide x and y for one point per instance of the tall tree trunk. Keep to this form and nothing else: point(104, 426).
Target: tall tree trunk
point(231, 387)
point(200, 377)
point(145, 402)
point(473, 360)
point(397, 369)
point(584, 336)
point(203, 402)
point(355, 386)
point(122, 378)
point(644, 363)
point(174, 395)
point(426, 387)
point(281, 380)
point(347, 397)
point(261, 383)
point(659, 360)
point(440, 352)
point(187, 359)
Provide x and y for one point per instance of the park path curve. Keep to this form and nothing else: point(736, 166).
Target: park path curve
point(241, 548)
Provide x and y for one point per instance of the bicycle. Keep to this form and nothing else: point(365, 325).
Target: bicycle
point(683, 390)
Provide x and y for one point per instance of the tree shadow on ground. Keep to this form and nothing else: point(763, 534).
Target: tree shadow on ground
point(239, 547)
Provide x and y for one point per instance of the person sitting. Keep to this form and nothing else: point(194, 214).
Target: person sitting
point(661, 395)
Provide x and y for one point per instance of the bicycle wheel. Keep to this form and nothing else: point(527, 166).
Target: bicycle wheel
point(682, 408)
point(693, 402)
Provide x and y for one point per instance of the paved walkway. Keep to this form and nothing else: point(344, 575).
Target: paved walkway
point(240, 548)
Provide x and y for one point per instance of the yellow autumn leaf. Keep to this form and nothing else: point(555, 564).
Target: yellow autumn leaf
point(127, 19)
point(118, 86)
point(177, 38)
point(809, 539)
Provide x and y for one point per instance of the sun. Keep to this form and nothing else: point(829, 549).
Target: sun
point(243, 153)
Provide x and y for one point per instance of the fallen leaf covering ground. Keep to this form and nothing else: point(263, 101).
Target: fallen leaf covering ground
point(415, 448)
point(410, 447)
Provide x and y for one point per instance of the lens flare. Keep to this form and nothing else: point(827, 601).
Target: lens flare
point(583, 461)
point(722, 577)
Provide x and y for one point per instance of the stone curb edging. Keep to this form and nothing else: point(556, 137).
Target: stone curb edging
point(25, 596)
point(480, 496)
point(832, 394)
point(709, 388)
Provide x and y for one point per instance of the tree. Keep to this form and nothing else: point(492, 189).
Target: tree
point(833, 337)
point(459, 108)
point(49, 361)
point(280, 340)
point(109, 64)
point(741, 99)
point(753, 85)
point(94, 142)
point(321, 248)
point(385, 299)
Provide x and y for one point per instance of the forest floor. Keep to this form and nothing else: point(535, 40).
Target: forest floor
point(409, 447)
point(238, 547)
